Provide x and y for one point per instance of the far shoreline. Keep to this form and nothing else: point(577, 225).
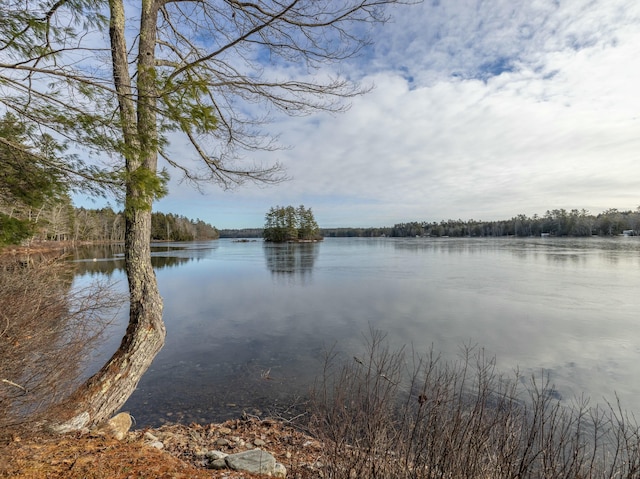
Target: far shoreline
point(49, 248)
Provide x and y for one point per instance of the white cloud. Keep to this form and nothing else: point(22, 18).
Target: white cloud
point(481, 109)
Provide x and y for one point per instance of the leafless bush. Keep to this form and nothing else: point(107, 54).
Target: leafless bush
point(46, 330)
point(397, 415)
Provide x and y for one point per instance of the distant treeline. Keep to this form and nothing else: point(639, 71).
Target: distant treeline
point(179, 228)
point(241, 233)
point(324, 232)
point(559, 222)
point(554, 223)
point(66, 223)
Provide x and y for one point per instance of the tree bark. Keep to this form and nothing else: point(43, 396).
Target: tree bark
point(106, 391)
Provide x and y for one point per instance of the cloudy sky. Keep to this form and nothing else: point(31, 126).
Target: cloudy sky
point(481, 109)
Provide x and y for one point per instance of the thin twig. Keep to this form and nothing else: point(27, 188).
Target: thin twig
point(11, 383)
point(6, 318)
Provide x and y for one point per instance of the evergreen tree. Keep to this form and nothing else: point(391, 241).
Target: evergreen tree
point(28, 181)
point(307, 228)
point(290, 224)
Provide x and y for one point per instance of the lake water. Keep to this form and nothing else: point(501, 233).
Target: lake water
point(248, 323)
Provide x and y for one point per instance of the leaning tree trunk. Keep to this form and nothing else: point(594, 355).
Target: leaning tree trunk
point(106, 391)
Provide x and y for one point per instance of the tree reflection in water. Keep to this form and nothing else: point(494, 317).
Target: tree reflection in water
point(291, 262)
point(109, 258)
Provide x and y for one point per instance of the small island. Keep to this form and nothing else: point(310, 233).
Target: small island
point(291, 225)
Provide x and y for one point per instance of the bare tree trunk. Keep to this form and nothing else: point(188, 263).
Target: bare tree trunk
point(106, 391)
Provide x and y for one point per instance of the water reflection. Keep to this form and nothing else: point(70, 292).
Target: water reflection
point(108, 259)
point(238, 313)
point(554, 250)
point(291, 261)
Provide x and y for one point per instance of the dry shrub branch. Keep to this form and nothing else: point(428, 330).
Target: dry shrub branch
point(395, 414)
point(47, 330)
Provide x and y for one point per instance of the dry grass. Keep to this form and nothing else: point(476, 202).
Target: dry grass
point(46, 330)
point(91, 458)
point(395, 415)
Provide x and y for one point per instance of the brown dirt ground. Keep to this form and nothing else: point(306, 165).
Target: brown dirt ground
point(92, 456)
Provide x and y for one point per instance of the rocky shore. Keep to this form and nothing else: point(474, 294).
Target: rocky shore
point(243, 448)
point(252, 445)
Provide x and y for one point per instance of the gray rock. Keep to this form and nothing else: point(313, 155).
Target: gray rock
point(157, 444)
point(259, 442)
point(279, 471)
point(255, 461)
point(222, 442)
point(215, 455)
point(217, 464)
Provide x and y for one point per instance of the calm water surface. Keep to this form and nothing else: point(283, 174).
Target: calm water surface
point(248, 323)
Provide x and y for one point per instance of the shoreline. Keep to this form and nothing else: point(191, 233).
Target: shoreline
point(48, 247)
point(172, 450)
